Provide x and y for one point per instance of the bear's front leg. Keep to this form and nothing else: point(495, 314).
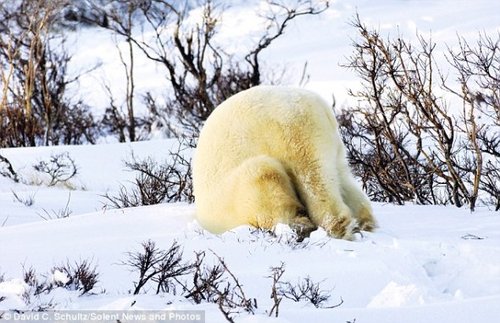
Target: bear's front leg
point(340, 225)
point(324, 204)
point(318, 185)
point(353, 196)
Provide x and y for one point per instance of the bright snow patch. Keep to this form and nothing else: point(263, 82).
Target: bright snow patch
point(421, 261)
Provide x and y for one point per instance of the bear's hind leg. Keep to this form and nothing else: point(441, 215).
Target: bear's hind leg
point(265, 195)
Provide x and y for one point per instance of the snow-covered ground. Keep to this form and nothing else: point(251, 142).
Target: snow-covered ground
point(424, 263)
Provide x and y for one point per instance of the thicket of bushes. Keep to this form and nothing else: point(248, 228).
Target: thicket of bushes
point(406, 139)
point(422, 132)
point(203, 278)
point(35, 108)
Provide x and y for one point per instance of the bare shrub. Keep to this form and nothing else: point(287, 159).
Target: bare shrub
point(489, 183)
point(28, 200)
point(7, 170)
point(121, 17)
point(477, 68)
point(404, 140)
point(281, 13)
point(217, 284)
point(276, 274)
point(205, 283)
point(81, 276)
point(306, 290)
point(158, 266)
point(57, 214)
point(158, 183)
point(34, 106)
point(60, 168)
point(37, 286)
point(200, 71)
point(29, 276)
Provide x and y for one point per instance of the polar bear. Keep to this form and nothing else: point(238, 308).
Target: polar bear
point(271, 155)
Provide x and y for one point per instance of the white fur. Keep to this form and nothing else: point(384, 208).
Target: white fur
point(273, 155)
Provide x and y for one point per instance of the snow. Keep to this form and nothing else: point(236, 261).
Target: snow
point(424, 263)
point(421, 261)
